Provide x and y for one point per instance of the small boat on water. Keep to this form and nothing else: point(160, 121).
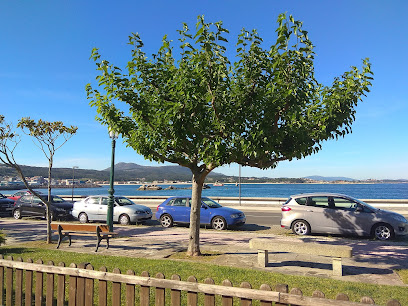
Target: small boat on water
point(218, 184)
point(150, 187)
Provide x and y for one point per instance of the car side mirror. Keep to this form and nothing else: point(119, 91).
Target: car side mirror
point(359, 209)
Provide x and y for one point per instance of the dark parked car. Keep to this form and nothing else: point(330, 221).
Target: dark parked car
point(177, 210)
point(19, 194)
point(32, 206)
point(6, 206)
point(332, 213)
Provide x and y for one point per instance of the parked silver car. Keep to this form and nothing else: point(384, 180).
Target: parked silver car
point(94, 208)
point(340, 214)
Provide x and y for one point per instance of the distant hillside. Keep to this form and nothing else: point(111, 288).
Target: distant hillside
point(329, 179)
point(123, 172)
point(131, 171)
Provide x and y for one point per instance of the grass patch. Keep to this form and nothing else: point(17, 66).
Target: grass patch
point(205, 256)
point(201, 270)
point(404, 275)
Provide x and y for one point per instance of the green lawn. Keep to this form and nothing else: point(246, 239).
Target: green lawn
point(203, 269)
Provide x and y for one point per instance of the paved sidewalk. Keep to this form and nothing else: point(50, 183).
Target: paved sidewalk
point(373, 261)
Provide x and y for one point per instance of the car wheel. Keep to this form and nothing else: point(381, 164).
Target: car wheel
point(218, 223)
point(17, 214)
point(166, 220)
point(83, 218)
point(301, 227)
point(124, 220)
point(383, 232)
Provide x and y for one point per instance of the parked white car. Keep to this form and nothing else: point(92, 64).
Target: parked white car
point(125, 211)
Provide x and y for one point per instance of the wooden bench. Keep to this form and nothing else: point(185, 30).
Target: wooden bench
point(68, 230)
point(337, 252)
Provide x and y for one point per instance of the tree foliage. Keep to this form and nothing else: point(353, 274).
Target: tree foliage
point(203, 107)
point(48, 138)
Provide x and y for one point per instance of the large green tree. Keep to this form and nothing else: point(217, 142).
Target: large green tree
point(201, 109)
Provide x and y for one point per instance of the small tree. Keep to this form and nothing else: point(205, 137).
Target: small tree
point(49, 136)
point(204, 111)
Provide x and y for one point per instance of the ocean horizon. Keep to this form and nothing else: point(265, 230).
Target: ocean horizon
point(266, 190)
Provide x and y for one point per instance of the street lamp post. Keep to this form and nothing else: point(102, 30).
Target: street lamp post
point(109, 217)
point(239, 185)
point(73, 182)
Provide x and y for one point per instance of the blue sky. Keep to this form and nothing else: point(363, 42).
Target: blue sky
point(44, 66)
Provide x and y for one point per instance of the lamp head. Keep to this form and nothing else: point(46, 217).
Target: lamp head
point(113, 134)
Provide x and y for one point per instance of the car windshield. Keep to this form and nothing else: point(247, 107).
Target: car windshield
point(365, 204)
point(122, 201)
point(210, 203)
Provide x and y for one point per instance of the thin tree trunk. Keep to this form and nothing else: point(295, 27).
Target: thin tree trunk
point(194, 237)
point(48, 204)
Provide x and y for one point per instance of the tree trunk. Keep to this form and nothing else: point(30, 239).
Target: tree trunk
point(194, 237)
point(48, 203)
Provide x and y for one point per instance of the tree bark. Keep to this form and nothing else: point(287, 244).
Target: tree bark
point(48, 204)
point(194, 236)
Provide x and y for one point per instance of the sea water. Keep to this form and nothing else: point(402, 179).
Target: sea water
point(360, 191)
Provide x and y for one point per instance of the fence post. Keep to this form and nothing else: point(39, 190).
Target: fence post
point(39, 286)
point(1, 283)
point(19, 285)
point(318, 294)
point(244, 301)
point(175, 294)
point(227, 300)
point(192, 296)
point(393, 302)
point(209, 299)
point(342, 297)
point(103, 289)
point(89, 288)
point(72, 288)
point(367, 300)
point(116, 293)
point(9, 284)
point(145, 292)
point(29, 285)
point(282, 288)
point(130, 291)
point(80, 298)
point(160, 292)
point(61, 287)
point(50, 287)
point(266, 287)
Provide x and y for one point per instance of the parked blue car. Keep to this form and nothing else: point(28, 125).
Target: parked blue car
point(177, 210)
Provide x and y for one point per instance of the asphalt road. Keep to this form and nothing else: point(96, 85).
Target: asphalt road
point(269, 217)
point(264, 218)
point(260, 217)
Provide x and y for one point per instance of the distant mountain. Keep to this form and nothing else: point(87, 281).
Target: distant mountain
point(172, 173)
point(328, 178)
point(123, 172)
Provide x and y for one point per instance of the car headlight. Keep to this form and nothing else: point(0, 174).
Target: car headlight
point(138, 212)
point(233, 216)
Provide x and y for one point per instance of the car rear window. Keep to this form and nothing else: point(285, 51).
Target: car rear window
point(178, 202)
point(301, 201)
point(319, 202)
